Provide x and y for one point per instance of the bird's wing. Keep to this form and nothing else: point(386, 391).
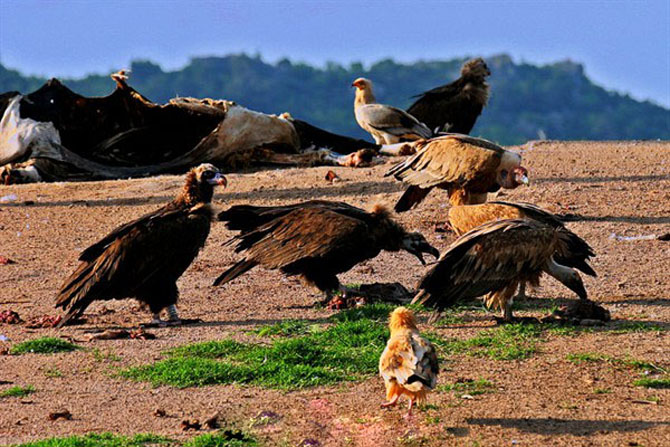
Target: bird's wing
point(534, 212)
point(572, 250)
point(486, 259)
point(147, 249)
point(146, 220)
point(249, 217)
point(301, 234)
point(409, 358)
point(457, 159)
point(392, 120)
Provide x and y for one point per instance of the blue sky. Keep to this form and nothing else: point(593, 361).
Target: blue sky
point(624, 45)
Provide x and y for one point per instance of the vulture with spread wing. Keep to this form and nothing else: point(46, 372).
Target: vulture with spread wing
point(573, 251)
point(492, 260)
point(455, 107)
point(467, 167)
point(316, 240)
point(386, 124)
point(145, 257)
point(408, 364)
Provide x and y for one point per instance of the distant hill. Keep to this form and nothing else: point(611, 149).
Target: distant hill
point(554, 101)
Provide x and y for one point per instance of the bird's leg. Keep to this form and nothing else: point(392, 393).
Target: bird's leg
point(434, 317)
point(409, 408)
point(156, 320)
point(173, 316)
point(507, 311)
point(392, 402)
point(521, 295)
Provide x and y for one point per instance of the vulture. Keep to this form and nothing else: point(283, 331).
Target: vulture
point(386, 124)
point(145, 257)
point(408, 364)
point(573, 251)
point(316, 239)
point(455, 107)
point(467, 167)
point(492, 259)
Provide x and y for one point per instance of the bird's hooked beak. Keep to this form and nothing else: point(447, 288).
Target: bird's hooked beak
point(218, 179)
point(418, 248)
point(577, 286)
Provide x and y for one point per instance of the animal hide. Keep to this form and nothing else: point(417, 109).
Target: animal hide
point(55, 134)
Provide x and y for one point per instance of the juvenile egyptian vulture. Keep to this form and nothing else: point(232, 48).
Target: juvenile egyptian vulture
point(467, 167)
point(408, 364)
point(386, 124)
point(492, 259)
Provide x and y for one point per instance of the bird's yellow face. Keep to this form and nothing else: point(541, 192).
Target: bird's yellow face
point(361, 83)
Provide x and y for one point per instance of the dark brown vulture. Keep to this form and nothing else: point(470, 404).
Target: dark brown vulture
point(386, 124)
point(455, 107)
point(467, 167)
point(317, 240)
point(145, 257)
point(573, 251)
point(492, 260)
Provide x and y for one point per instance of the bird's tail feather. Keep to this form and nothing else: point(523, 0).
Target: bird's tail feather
point(412, 196)
point(238, 269)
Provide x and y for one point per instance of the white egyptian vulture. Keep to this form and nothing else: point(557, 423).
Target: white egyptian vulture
point(386, 124)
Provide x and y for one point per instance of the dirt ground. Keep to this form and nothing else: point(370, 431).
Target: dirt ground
point(618, 188)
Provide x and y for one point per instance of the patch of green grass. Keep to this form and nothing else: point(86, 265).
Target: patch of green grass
point(653, 383)
point(642, 365)
point(109, 356)
point(223, 438)
point(44, 345)
point(508, 342)
point(287, 328)
point(472, 387)
point(347, 350)
point(378, 312)
point(636, 326)
point(602, 391)
point(53, 372)
point(102, 440)
point(543, 305)
point(17, 391)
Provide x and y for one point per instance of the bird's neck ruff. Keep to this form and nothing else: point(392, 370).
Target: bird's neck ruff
point(380, 211)
point(402, 318)
point(363, 97)
point(194, 192)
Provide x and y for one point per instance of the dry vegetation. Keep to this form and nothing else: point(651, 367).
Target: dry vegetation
point(285, 373)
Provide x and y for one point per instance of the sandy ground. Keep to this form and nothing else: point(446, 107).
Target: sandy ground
point(620, 188)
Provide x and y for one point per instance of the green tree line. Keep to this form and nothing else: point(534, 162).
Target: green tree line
point(555, 101)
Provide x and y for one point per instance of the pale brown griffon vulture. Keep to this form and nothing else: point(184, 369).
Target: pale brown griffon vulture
point(467, 167)
point(408, 364)
point(573, 251)
point(386, 124)
point(455, 107)
point(145, 257)
point(492, 260)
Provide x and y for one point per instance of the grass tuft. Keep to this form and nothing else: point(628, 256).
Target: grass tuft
point(17, 391)
point(472, 387)
point(641, 365)
point(222, 438)
point(102, 440)
point(508, 342)
point(653, 383)
point(44, 345)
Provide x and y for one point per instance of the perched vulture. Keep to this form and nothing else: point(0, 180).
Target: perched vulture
point(492, 260)
point(316, 240)
point(455, 107)
point(573, 251)
point(386, 124)
point(408, 365)
point(467, 167)
point(145, 257)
